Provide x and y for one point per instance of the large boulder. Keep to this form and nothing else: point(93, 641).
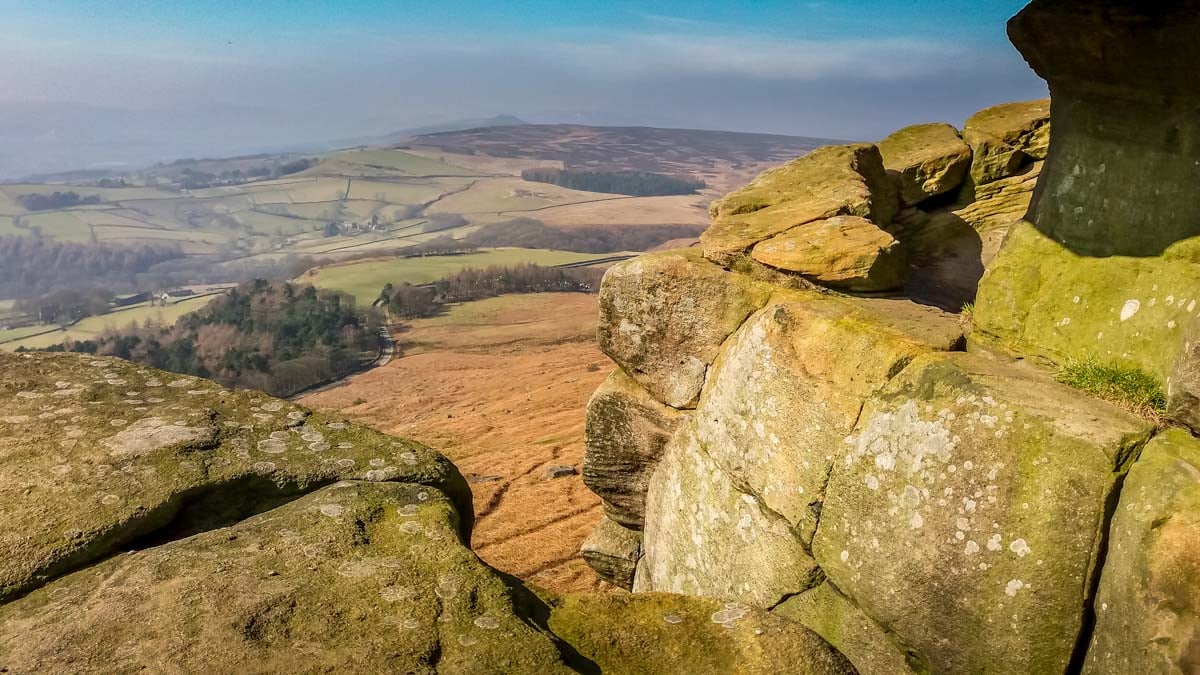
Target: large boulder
point(968, 510)
point(787, 389)
point(663, 316)
point(845, 252)
point(1148, 605)
point(613, 552)
point(97, 454)
point(624, 435)
point(839, 180)
point(927, 160)
point(1006, 138)
point(706, 536)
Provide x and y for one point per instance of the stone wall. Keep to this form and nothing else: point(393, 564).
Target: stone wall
point(802, 429)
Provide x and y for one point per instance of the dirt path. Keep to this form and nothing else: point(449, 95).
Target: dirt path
point(500, 386)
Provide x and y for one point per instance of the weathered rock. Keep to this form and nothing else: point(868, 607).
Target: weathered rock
point(832, 616)
point(353, 577)
point(786, 391)
point(1006, 138)
point(971, 503)
point(613, 551)
point(235, 573)
point(1041, 298)
point(663, 316)
point(1148, 605)
point(836, 180)
point(96, 453)
point(844, 252)
point(624, 436)
point(1125, 157)
point(704, 536)
point(927, 160)
point(654, 633)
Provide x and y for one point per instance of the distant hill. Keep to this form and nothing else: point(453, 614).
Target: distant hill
point(707, 155)
point(407, 134)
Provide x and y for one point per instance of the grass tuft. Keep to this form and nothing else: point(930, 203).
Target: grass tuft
point(1130, 388)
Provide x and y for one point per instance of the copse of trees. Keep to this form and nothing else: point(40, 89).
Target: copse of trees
point(632, 183)
point(68, 305)
point(276, 337)
point(410, 302)
point(55, 200)
point(530, 233)
point(32, 266)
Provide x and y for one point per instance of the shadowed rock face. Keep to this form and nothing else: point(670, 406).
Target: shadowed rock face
point(158, 522)
point(1122, 173)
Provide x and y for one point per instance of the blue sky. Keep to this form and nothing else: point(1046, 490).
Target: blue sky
point(269, 72)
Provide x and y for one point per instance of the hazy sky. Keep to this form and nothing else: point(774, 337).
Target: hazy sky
point(220, 75)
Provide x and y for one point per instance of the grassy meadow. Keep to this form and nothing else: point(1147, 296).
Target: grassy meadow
point(364, 279)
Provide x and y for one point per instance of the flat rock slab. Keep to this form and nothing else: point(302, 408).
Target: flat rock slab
point(1148, 605)
point(830, 181)
point(96, 453)
point(845, 252)
point(927, 160)
point(971, 502)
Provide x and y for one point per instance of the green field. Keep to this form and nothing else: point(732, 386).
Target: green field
point(364, 280)
point(94, 325)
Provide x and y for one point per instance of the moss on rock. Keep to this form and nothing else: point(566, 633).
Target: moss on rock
point(968, 510)
point(96, 453)
point(1148, 604)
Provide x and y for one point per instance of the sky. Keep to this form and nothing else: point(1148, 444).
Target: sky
point(94, 82)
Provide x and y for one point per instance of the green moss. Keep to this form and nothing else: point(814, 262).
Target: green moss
point(1131, 388)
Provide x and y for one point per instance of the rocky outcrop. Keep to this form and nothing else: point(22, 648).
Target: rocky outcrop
point(158, 522)
point(927, 509)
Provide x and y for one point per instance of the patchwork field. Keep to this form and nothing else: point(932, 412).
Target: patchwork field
point(38, 337)
point(365, 278)
point(500, 386)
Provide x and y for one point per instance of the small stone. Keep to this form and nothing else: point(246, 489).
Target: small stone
point(554, 472)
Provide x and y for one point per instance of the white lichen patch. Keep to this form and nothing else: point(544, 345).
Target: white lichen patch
point(151, 434)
